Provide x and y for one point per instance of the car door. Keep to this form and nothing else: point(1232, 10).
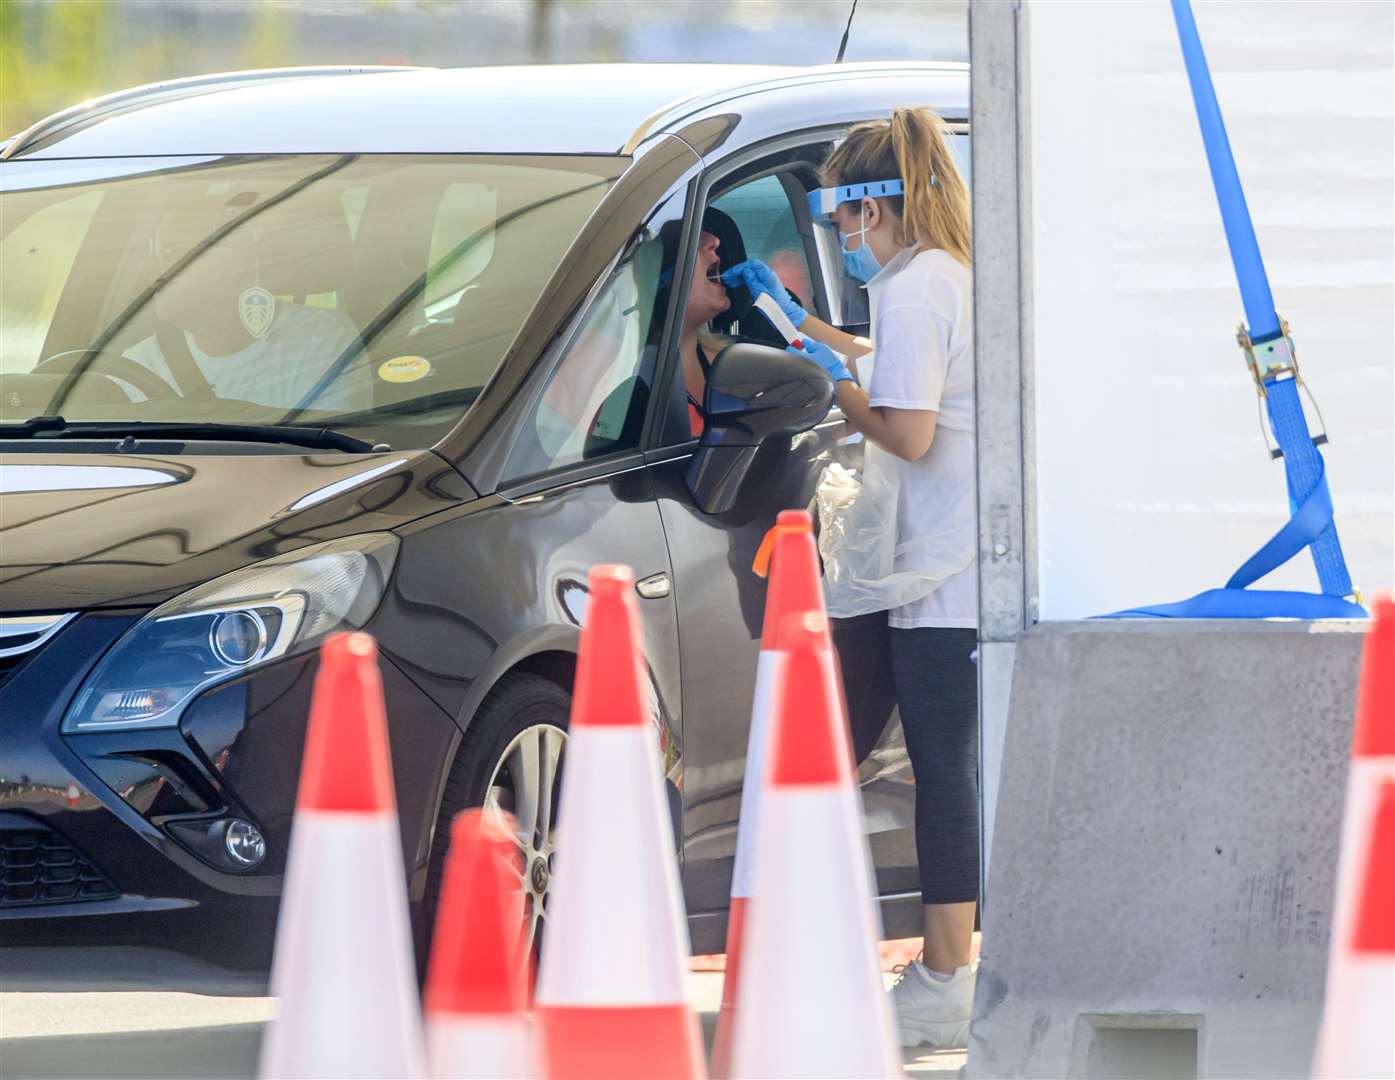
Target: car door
point(720, 600)
point(575, 491)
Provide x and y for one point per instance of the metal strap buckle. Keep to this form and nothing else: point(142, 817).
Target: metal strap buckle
point(1270, 362)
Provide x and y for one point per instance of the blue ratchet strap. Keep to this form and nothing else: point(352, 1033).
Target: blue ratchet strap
point(1270, 354)
point(1237, 601)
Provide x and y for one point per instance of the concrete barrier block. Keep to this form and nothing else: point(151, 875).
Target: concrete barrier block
point(1167, 824)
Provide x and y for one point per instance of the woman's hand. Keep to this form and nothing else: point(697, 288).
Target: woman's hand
point(825, 357)
point(759, 278)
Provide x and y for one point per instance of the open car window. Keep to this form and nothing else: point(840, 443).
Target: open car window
point(754, 212)
point(763, 213)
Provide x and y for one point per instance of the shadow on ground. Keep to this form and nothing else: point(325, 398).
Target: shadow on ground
point(225, 1051)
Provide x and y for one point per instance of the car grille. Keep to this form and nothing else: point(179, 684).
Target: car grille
point(38, 866)
point(21, 636)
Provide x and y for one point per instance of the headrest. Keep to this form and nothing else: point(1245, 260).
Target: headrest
point(304, 246)
point(732, 249)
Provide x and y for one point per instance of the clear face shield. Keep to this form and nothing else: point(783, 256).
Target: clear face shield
point(859, 262)
point(824, 201)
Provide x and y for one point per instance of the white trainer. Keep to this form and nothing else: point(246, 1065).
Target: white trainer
point(933, 1013)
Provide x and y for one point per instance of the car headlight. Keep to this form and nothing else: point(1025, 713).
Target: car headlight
point(222, 629)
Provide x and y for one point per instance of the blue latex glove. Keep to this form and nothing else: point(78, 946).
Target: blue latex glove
point(825, 357)
point(759, 278)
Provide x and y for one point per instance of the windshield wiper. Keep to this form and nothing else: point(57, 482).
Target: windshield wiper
point(314, 438)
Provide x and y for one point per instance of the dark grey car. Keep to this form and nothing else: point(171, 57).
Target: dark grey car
point(476, 401)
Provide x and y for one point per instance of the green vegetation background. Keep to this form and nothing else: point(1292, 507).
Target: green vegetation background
point(57, 53)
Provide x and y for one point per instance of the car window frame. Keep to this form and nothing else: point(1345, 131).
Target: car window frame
point(666, 363)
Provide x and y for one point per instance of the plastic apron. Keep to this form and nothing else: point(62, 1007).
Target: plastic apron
point(868, 564)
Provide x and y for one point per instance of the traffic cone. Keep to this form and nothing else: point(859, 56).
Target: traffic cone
point(475, 984)
point(1372, 751)
point(1359, 1013)
point(794, 587)
point(611, 996)
point(811, 1011)
point(1372, 768)
point(343, 966)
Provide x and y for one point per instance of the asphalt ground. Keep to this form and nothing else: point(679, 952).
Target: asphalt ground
point(117, 1036)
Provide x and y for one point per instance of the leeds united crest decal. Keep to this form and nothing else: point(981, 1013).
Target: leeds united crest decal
point(256, 308)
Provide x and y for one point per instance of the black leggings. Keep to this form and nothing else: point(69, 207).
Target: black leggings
point(936, 687)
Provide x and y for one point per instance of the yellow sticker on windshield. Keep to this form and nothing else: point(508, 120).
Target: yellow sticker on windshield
point(402, 369)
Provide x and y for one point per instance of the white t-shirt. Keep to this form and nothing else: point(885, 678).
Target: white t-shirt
point(923, 342)
point(280, 368)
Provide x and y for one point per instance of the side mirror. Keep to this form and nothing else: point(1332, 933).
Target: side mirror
point(754, 393)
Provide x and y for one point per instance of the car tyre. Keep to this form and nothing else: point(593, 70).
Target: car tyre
point(510, 759)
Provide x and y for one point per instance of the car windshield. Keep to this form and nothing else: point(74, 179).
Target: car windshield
point(372, 294)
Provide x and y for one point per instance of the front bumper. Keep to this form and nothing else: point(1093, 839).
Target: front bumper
point(107, 876)
point(97, 802)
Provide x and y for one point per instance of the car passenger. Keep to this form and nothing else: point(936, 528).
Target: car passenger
point(222, 332)
point(698, 344)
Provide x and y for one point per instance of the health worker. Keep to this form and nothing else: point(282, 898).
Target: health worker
point(901, 207)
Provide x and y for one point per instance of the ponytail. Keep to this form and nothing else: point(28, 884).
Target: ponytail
point(934, 208)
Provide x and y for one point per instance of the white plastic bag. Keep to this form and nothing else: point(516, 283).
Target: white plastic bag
point(867, 567)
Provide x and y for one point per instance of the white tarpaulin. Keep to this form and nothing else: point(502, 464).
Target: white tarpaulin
point(1153, 482)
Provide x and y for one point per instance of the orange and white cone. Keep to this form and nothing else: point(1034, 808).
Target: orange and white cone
point(1359, 1014)
point(343, 967)
point(1372, 771)
point(611, 997)
point(475, 982)
point(794, 587)
point(811, 1009)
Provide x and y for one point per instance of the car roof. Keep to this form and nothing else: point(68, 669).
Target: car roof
point(553, 109)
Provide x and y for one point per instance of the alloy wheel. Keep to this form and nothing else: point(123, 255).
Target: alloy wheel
point(524, 787)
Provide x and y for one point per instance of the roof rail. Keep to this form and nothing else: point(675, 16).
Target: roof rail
point(685, 106)
point(172, 88)
point(647, 125)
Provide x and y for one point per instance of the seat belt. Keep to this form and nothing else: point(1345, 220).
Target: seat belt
point(192, 382)
point(1273, 363)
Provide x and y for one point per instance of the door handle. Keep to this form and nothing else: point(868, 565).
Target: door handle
point(654, 587)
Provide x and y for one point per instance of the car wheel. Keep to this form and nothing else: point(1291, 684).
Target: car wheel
point(510, 762)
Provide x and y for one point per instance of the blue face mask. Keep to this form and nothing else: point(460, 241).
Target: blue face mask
point(860, 265)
